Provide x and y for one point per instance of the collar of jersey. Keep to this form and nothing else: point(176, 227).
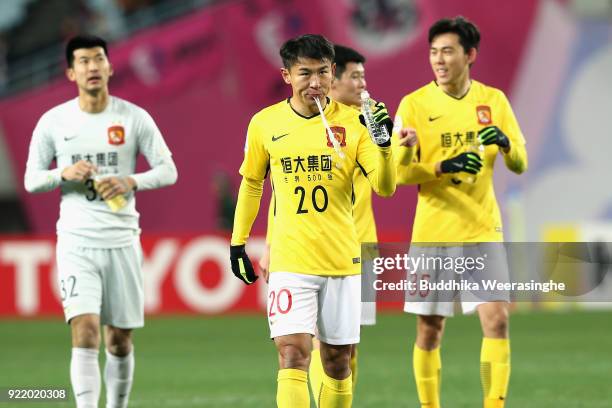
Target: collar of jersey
point(308, 117)
point(454, 97)
point(108, 107)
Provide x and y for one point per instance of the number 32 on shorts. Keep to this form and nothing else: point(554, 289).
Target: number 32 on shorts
point(280, 302)
point(67, 287)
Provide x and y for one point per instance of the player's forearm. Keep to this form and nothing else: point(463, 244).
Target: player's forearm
point(416, 173)
point(516, 158)
point(270, 228)
point(38, 178)
point(247, 207)
point(403, 160)
point(403, 155)
point(383, 179)
point(40, 181)
point(164, 174)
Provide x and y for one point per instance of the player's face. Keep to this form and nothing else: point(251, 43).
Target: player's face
point(347, 89)
point(449, 61)
point(309, 79)
point(90, 69)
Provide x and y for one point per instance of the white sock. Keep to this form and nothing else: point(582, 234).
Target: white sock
point(118, 375)
point(85, 377)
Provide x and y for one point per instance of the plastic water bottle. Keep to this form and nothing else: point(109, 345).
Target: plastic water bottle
point(116, 203)
point(477, 148)
point(378, 133)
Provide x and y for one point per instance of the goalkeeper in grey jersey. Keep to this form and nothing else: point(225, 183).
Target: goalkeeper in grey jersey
point(94, 140)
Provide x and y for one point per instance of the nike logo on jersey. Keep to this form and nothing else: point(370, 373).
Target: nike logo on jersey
point(432, 118)
point(67, 138)
point(275, 138)
point(455, 181)
point(84, 392)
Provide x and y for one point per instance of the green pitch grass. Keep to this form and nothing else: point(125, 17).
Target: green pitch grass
point(559, 360)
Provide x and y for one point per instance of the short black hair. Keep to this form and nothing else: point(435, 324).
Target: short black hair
point(83, 41)
point(344, 55)
point(313, 46)
point(469, 36)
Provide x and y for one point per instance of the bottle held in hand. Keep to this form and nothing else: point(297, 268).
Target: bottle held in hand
point(377, 132)
point(116, 203)
point(477, 148)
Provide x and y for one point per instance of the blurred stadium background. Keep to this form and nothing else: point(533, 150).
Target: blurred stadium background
point(202, 68)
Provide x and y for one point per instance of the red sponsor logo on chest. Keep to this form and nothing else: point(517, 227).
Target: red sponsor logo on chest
point(116, 135)
point(483, 113)
point(339, 134)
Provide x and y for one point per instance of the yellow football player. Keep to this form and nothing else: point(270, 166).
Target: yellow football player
point(462, 126)
point(311, 145)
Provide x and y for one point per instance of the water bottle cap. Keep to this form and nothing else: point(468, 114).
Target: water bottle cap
point(365, 95)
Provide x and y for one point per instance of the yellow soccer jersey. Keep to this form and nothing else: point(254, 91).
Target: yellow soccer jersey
point(362, 207)
point(449, 209)
point(363, 214)
point(314, 231)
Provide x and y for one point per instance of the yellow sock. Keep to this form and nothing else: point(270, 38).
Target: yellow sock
point(354, 369)
point(336, 393)
point(495, 371)
point(315, 375)
point(427, 366)
point(292, 391)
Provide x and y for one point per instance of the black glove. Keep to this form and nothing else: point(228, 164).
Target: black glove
point(493, 135)
point(467, 162)
point(241, 264)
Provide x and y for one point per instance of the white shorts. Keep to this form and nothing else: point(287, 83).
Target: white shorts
point(431, 303)
point(368, 308)
point(368, 313)
point(299, 303)
point(106, 282)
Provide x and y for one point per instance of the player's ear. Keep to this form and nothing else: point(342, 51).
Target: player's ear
point(472, 53)
point(286, 75)
point(333, 69)
point(111, 71)
point(70, 74)
point(335, 82)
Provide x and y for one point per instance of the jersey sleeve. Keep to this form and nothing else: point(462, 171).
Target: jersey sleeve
point(377, 164)
point(415, 172)
point(256, 158)
point(270, 225)
point(247, 207)
point(152, 145)
point(253, 170)
point(38, 178)
point(516, 159)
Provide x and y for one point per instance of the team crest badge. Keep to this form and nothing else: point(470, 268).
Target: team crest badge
point(340, 135)
point(483, 113)
point(116, 135)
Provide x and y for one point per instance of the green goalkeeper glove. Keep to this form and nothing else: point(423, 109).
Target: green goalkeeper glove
point(380, 114)
point(467, 162)
point(241, 264)
point(493, 135)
